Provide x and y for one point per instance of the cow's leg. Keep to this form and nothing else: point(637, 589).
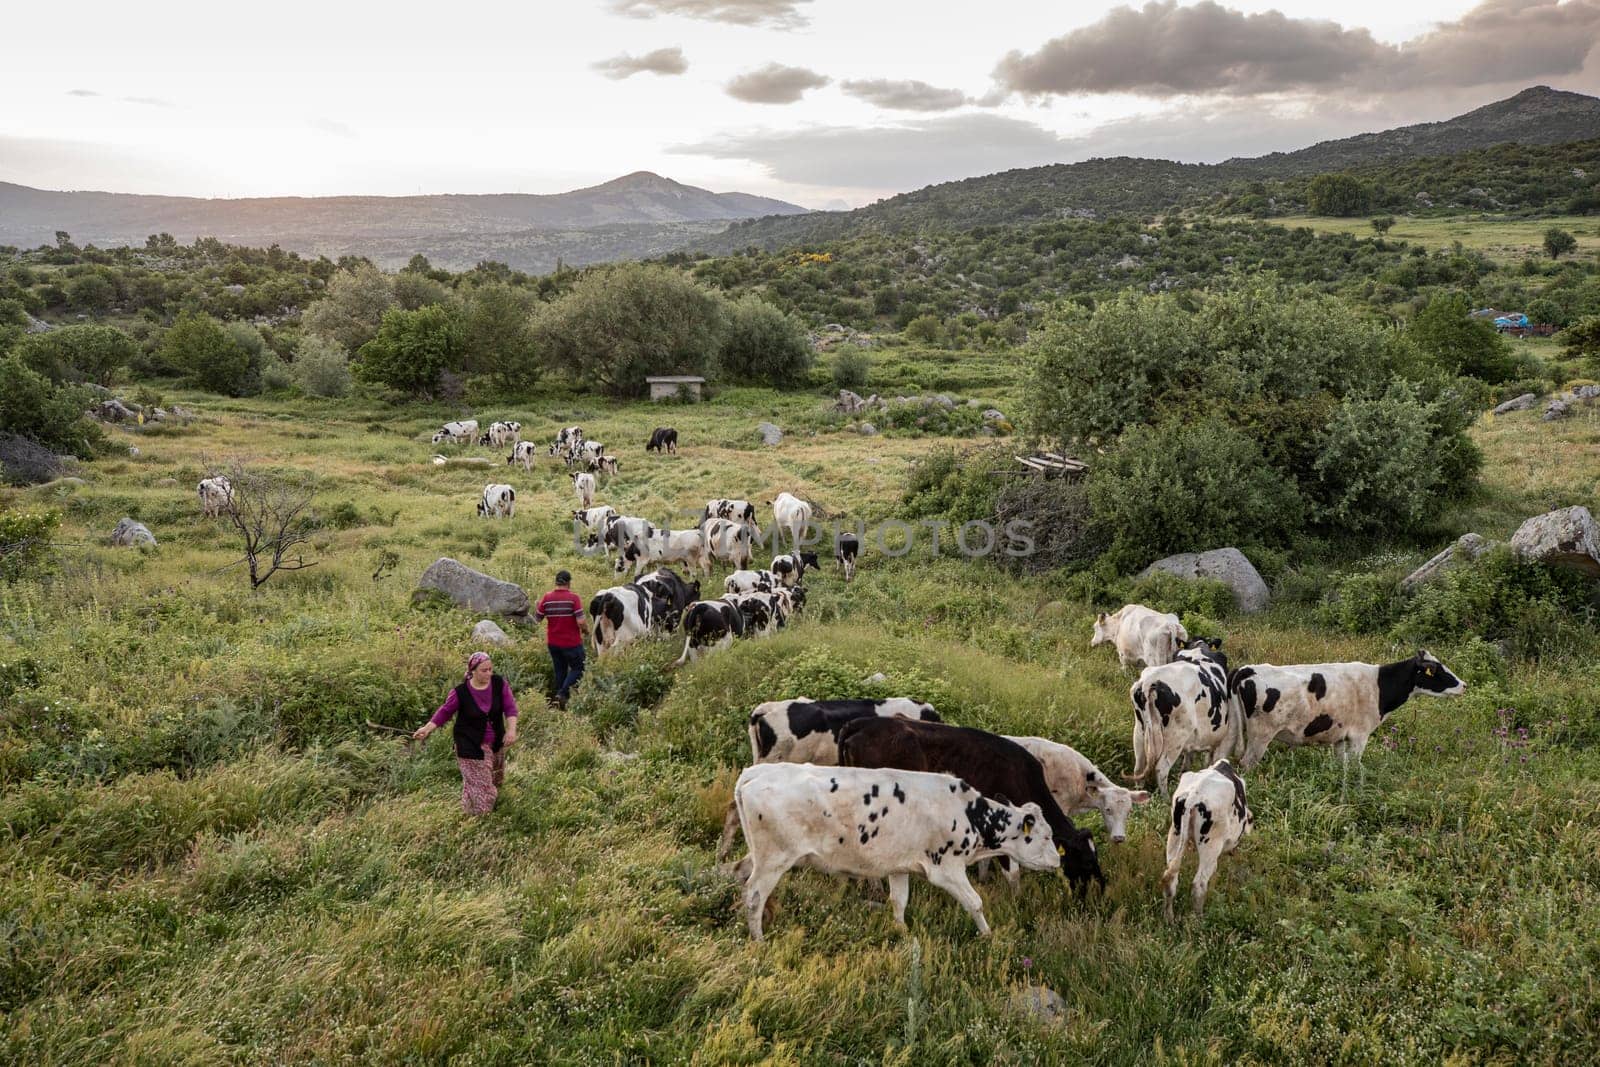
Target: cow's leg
point(1013, 872)
point(899, 891)
point(953, 880)
point(1141, 766)
point(1164, 768)
point(681, 660)
point(1208, 853)
point(1256, 747)
point(763, 880)
point(730, 824)
point(1169, 878)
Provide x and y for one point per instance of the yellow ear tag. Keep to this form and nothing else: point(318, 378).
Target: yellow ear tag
point(1060, 851)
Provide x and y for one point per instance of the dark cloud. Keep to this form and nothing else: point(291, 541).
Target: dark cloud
point(904, 95)
point(661, 61)
point(775, 84)
point(780, 14)
point(1163, 50)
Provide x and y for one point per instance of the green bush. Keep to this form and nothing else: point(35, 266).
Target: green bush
point(47, 414)
point(413, 349)
point(1362, 604)
point(1458, 343)
point(88, 353)
point(25, 550)
point(612, 698)
point(1375, 466)
point(211, 355)
point(762, 345)
point(852, 368)
point(954, 485)
point(321, 367)
point(1202, 597)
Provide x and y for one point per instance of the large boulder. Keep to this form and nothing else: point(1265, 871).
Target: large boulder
point(770, 434)
point(1467, 547)
point(475, 590)
point(1516, 403)
point(1567, 537)
point(1225, 565)
point(849, 403)
point(1039, 1003)
point(488, 633)
point(1556, 409)
point(130, 534)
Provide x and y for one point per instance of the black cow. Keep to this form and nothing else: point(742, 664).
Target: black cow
point(845, 549)
point(669, 596)
point(791, 568)
point(993, 765)
point(709, 624)
point(663, 439)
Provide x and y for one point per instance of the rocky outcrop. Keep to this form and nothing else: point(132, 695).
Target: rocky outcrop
point(1466, 548)
point(130, 534)
point(770, 434)
point(1567, 537)
point(475, 590)
point(1226, 565)
point(1516, 403)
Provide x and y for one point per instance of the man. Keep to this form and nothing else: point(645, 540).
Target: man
point(562, 611)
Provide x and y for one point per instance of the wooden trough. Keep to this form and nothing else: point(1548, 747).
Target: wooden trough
point(1046, 465)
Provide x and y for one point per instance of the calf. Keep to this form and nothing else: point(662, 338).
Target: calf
point(583, 485)
point(457, 433)
point(1331, 703)
point(846, 548)
point(1141, 635)
point(603, 464)
point(792, 516)
point(663, 439)
point(523, 452)
point(904, 823)
point(750, 582)
point(216, 494)
point(620, 615)
point(1209, 810)
point(1182, 707)
point(993, 764)
point(499, 501)
point(792, 567)
point(678, 546)
point(709, 625)
point(1079, 786)
point(669, 596)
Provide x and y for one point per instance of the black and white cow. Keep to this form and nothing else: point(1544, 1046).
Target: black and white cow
point(216, 494)
point(624, 530)
point(730, 541)
point(846, 547)
point(603, 464)
point(876, 823)
point(663, 439)
point(565, 439)
point(1209, 811)
point(619, 616)
point(677, 546)
point(585, 452)
point(750, 582)
point(498, 501)
point(583, 485)
point(723, 508)
point(463, 432)
point(1182, 707)
point(791, 567)
point(523, 452)
point(670, 595)
point(764, 613)
point(595, 520)
point(501, 433)
point(1331, 703)
point(709, 625)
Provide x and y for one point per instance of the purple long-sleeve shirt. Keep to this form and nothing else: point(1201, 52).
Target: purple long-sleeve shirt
point(482, 698)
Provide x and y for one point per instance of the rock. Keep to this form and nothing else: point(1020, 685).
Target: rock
point(1567, 537)
point(1039, 1003)
point(133, 450)
point(1466, 547)
point(849, 403)
point(35, 325)
point(770, 434)
point(1586, 392)
point(1556, 409)
point(130, 534)
point(944, 400)
point(875, 679)
point(181, 413)
point(993, 413)
point(472, 589)
point(1226, 565)
point(866, 429)
point(972, 402)
point(113, 410)
point(988, 431)
point(1517, 403)
point(487, 633)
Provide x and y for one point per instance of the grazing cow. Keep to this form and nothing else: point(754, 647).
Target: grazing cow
point(803, 730)
point(603, 464)
point(499, 501)
point(905, 823)
point(624, 530)
point(595, 520)
point(457, 433)
point(722, 508)
point(565, 439)
point(1209, 810)
point(586, 452)
point(792, 516)
point(523, 452)
point(583, 485)
point(501, 433)
point(709, 625)
point(1140, 635)
point(669, 595)
point(620, 615)
point(663, 439)
point(1079, 786)
point(1182, 707)
point(1331, 703)
point(750, 582)
point(730, 541)
point(678, 546)
point(792, 567)
point(764, 613)
point(845, 549)
point(216, 494)
point(994, 765)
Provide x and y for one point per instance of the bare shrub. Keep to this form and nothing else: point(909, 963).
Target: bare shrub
point(270, 511)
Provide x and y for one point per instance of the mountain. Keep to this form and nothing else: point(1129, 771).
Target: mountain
point(1539, 116)
point(640, 211)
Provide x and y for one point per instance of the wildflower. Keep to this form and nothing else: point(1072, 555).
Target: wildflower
point(1027, 963)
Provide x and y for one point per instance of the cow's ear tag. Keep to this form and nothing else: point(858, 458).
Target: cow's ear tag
point(1027, 824)
point(1060, 851)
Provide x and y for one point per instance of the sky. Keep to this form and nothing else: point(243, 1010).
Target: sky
point(819, 102)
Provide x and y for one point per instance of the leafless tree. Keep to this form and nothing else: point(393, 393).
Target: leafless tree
point(271, 513)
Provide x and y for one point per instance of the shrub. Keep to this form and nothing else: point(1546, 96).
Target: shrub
point(89, 353)
point(762, 345)
point(320, 367)
point(953, 485)
point(499, 338)
point(49, 415)
point(413, 349)
point(1457, 343)
point(1059, 520)
point(613, 698)
point(852, 368)
point(1203, 597)
point(200, 347)
point(25, 550)
point(353, 308)
point(1362, 604)
point(1337, 194)
point(25, 462)
point(1375, 464)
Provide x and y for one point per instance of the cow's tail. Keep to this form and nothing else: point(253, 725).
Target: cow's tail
point(605, 631)
point(1150, 744)
point(1169, 645)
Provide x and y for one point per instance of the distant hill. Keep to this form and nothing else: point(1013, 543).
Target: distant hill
point(640, 214)
point(1126, 186)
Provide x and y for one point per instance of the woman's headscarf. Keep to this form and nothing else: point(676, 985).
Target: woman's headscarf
point(473, 661)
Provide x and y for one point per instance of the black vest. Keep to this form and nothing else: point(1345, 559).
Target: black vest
point(470, 721)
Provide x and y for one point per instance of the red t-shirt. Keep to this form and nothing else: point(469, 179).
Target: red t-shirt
point(563, 614)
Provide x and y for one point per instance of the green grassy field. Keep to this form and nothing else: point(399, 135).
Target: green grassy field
point(206, 858)
point(1503, 239)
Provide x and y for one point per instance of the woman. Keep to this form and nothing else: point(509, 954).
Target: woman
point(486, 721)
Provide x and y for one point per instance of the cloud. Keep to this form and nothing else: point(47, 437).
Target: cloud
point(779, 14)
point(332, 126)
point(904, 95)
point(1164, 50)
point(661, 61)
point(775, 84)
point(82, 92)
point(147, 101)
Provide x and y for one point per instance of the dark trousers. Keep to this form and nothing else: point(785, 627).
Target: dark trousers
point(568, 668)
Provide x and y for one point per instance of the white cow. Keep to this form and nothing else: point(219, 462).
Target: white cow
point(463, 432)
point(750, 582)
point(498, 501)
point(878, 823)
point(730, 541)
point(1182, 707)
point(583, 485)
point(1209, 811)
point(216, 494)
point(523, 452)
point(1140, 635)
point(792, 515)
point(619, 615)
point(502, 433)
point(678, 546)
point(1079, 786)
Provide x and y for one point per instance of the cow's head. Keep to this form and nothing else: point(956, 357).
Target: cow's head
point(483, 507)
point(1029, 840)
point(1431, 678)
point(797, 597)
point(1114, 803)
point(1105, 629)
point(440, 437)
point(808, 559)
point(926, 713)
point(1202, 650)
point(1079, 860)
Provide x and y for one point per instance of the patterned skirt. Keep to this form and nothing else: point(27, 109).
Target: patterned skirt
point(481, 780)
